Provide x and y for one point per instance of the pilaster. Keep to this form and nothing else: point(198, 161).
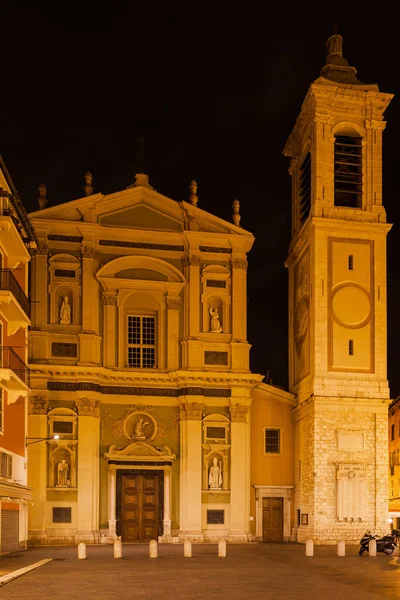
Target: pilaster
point(240, 469)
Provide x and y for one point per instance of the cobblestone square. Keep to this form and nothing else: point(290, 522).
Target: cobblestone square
point(255, 571)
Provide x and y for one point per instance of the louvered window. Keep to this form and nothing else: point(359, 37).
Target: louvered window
point(5, 465)
point(348, 171)
point(305, 189)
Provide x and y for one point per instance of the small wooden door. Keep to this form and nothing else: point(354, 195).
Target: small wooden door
point(272, 519)
point(139, 514)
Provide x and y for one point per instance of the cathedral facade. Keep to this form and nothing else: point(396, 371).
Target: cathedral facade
point(140, 360)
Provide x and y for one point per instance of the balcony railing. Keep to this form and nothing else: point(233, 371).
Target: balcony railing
point(9, 359)
point(8, 282)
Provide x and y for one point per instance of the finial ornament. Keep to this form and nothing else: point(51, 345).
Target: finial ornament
point(88, 189)
point(141, 180)
point(236, 216)
point(193, 198)
point(42, 200)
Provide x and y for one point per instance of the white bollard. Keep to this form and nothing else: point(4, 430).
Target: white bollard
point(187, 549)
point(153, 549)
point(222, 548)
point(81, 550)
point(118, 549)
point(372, 547)
point(309, 548)
point(341, 548)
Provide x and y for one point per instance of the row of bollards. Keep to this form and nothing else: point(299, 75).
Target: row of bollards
point(153, 549)
point(341, 548)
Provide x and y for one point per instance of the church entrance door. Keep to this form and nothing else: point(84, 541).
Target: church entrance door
point(140, 507)
point(272, 519)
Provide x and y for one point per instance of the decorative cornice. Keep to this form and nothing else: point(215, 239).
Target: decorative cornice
point(192, 412)
point(108, 299)
point(42, 249)
point(191, 260)
point(173, 303)
point(377, 125)
point(88, 252)
point(239, 412)
point(88, 407)
point(239, 263)
point(38, 405)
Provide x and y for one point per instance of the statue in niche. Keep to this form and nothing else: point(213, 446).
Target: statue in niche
point(215, 475)
point(138, 432)
point(215, 324)
point(65, 312)
point(62, 474)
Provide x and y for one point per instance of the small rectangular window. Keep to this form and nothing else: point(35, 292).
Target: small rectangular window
point(141, 342)
point(272, 441)
point(351, 262)
point(351, 347)
point(392, 432)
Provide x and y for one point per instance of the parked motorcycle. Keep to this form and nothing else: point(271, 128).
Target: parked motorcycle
point(385, 544)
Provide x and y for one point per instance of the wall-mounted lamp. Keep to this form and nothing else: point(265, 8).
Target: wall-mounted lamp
point(36, 440)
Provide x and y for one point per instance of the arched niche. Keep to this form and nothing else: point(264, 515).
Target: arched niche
point(216, 295)
point(64, 273)
point(64, 422)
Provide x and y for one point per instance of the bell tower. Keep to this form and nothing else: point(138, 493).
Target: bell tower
point(337, 305)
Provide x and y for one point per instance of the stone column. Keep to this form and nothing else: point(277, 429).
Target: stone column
point(37, 468)
point(112, 502)
point(191, 471)
point(167, 501)
point(240, 472)
point(192, 356)
point(90, 340)
point(109, 329)
point(88, 470)
point(239, 346)
point(173, 304)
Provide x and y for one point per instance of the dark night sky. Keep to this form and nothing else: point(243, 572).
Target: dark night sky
point(215, 89)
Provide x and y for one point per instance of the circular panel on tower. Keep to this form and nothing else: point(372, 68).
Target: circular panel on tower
point(351, 306)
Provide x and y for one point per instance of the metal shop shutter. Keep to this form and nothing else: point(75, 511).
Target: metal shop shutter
point(9, 530)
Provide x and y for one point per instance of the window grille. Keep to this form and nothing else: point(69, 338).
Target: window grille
point(348, 171)
point(351, 262)
point(351, 347)
point(272, 441)
point(141, 342)
point(305, 189)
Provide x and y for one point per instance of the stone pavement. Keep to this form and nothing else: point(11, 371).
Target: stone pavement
point(254, 571)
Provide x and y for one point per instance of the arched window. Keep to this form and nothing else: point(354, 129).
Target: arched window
point(348, 171)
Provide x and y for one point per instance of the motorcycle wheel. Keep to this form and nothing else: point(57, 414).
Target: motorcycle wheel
point(361, 551)
point(388, 551)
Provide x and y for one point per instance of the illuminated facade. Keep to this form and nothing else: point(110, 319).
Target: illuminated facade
point(16, 238)
point(140, 359)
point(394, 463)
point(337, 287)
point(140, 362)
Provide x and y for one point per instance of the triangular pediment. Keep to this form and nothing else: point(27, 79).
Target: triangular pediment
point(141, 216)
point(138, 207)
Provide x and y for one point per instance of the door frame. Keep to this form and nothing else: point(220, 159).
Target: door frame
point(131, 470)
point(273, 491)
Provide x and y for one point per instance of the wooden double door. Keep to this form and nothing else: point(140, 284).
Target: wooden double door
point(272, 519)
point(140, 507)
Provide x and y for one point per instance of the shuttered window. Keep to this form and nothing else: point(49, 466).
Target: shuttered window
point(348, 171)
point(305, 189)
point(272, 441)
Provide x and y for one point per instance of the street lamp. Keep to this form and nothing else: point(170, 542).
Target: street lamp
point(36, 440)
